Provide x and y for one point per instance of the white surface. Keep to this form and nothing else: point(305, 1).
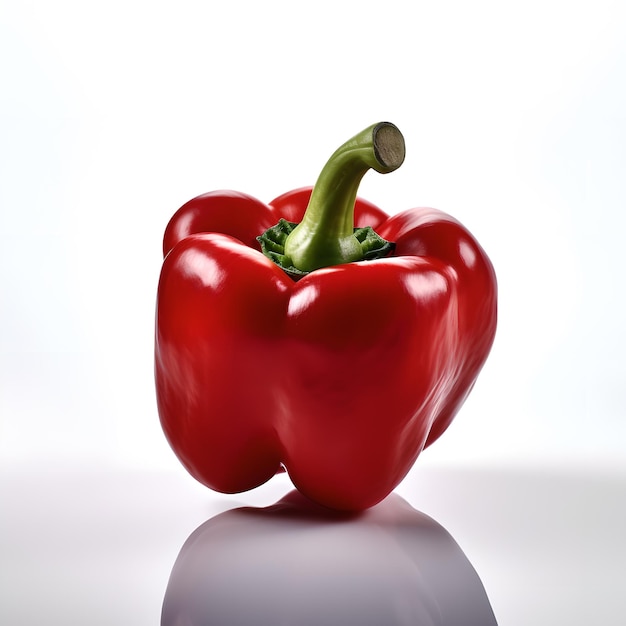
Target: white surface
point(113, 115)
point(99, 548)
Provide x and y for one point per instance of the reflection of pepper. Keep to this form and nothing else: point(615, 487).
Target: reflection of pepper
point(339, 357)
point(393, 566)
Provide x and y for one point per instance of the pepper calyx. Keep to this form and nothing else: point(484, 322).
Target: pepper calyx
point(272, 242)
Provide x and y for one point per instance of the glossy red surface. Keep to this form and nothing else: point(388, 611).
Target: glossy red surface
point(342, 377)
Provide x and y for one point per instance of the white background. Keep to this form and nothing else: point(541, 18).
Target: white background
point(112, 115)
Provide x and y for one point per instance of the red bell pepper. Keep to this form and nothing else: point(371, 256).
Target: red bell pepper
point(295, 336)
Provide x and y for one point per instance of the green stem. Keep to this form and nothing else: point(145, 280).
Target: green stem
point(325, 236)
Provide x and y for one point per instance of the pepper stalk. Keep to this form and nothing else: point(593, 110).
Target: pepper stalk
point(326, 235)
